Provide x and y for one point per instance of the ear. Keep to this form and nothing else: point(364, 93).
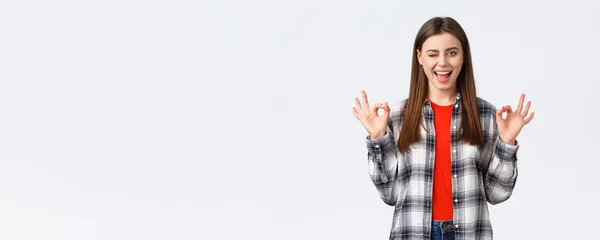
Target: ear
point(419, 57)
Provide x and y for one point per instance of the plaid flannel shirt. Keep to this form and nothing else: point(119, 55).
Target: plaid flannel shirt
point(405, 180)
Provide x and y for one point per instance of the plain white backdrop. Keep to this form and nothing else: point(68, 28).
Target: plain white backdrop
point(180, 119)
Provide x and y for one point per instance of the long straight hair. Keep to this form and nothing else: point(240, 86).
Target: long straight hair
point(412, 112)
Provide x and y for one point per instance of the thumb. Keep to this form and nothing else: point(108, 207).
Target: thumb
point(499, 113)
point(386, 109)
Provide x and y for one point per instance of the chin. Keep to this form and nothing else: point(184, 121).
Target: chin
point(446, 86)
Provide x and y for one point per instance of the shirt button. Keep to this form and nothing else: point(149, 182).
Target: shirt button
point(456, 226)
point(455, 200)
point(453, 127)
point(456, 106)
point(377, 146)
point(454, 151)
point(454, 175)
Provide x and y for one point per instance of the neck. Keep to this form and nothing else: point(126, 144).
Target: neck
point(439, 97)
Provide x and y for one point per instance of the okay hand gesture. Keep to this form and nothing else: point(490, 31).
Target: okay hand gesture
point(511, 126)
point(374, 123)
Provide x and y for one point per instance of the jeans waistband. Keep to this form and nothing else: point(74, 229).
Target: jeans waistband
point(444, 224)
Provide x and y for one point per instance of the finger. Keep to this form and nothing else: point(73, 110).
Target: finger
point(386, 109)
point(358, 106)
point(528, 119)
point(520, 105)
point(376, 107)
point(526, 109)
point(355, 112)
point(509, 109)
point(499, 112)
point(365, 100)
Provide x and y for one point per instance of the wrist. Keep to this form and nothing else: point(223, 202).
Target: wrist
point(508, 141)
point(376, 136)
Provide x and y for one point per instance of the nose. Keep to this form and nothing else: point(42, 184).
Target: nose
point(442, 60)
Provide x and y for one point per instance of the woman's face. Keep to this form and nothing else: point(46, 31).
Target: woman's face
point(442, 59)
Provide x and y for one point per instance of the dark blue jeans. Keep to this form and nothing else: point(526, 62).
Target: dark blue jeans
point(442, 230)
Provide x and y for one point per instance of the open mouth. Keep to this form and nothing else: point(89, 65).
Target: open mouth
point(442, 76)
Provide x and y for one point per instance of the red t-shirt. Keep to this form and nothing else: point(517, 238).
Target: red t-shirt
point(442, 179)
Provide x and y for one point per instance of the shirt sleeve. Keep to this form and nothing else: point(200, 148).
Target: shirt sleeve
point(501, 175)
point(383, 166)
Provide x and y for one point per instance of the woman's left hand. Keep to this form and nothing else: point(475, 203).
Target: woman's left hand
point(511, 126)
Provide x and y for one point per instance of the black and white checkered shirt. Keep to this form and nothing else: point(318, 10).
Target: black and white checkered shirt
point(405, 181)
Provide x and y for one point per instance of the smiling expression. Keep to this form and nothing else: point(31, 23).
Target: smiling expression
point(442, 60)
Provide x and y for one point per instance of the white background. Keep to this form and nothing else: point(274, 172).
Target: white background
point(232, 119)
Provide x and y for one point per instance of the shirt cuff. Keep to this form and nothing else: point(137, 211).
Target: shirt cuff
point(507, 151)
point(381, 143)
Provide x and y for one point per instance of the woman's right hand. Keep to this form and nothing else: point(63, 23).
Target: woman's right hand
point(375, 124)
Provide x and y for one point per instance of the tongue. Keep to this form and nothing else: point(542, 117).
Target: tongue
point(443, 77)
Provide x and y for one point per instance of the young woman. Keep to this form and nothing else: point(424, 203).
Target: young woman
point(439, 156)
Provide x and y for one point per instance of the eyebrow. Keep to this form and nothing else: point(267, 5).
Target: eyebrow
point(448, 49)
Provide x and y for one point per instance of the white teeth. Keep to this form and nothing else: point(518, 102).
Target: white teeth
point(442, 73)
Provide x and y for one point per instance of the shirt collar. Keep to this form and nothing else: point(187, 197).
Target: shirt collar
point(457, 98)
